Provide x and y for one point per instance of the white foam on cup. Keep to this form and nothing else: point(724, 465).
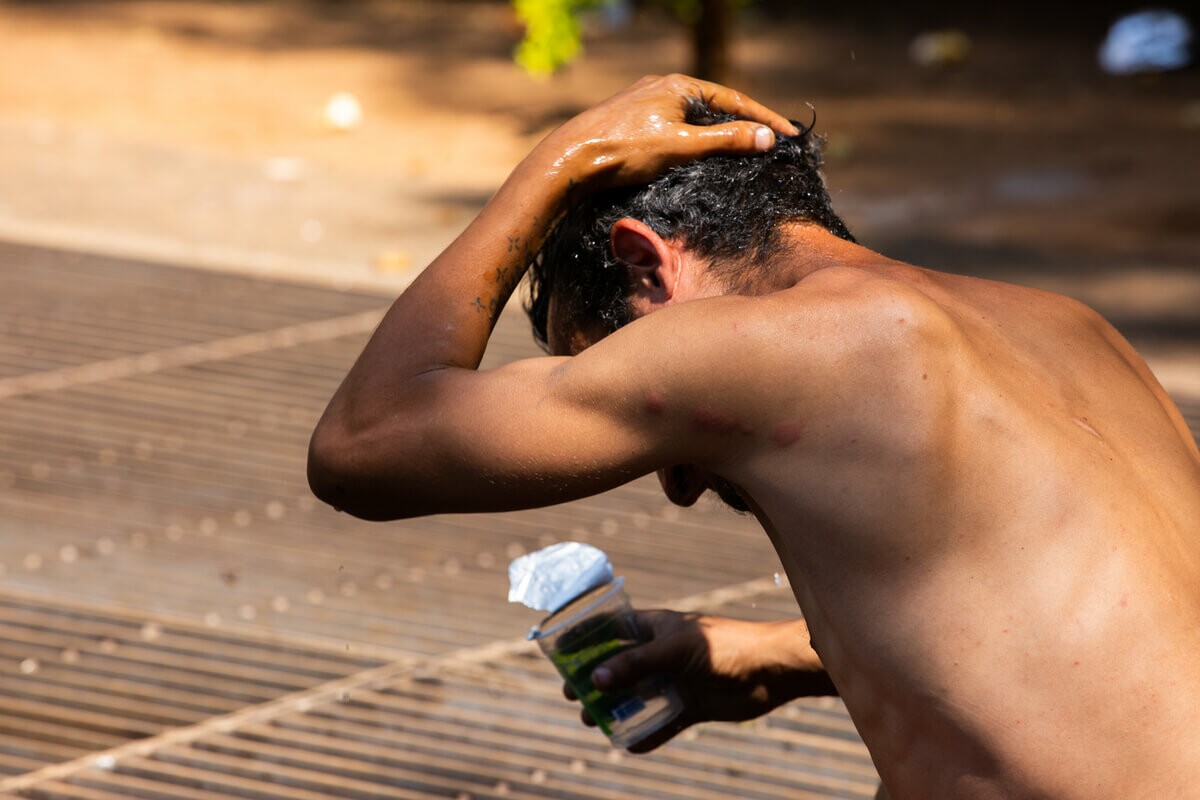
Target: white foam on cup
point(548, 579)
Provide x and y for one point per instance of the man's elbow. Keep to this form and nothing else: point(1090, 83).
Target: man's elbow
point(336, 476)
point(328, 467)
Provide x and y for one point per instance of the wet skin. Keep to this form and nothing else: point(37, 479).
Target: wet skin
point(988, 508)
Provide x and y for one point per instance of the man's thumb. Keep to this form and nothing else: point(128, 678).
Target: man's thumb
point(738, 137)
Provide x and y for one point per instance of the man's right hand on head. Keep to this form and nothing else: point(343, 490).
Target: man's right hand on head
point(637, 134)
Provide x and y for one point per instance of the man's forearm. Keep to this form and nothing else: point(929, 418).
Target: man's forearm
point(444, 319)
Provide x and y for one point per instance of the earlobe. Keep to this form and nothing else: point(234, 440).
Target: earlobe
point(682, 484)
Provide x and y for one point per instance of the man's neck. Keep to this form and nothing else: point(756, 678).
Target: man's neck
point(807, 248)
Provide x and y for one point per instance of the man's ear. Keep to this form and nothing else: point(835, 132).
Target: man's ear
point(653, 263)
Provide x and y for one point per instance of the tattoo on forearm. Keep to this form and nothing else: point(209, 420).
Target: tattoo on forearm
point(493, 306)
point(506, 276)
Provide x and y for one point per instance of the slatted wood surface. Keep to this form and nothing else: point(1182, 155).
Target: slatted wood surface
point(179, 618)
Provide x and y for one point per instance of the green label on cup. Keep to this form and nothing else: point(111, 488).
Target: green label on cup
point(579, 652)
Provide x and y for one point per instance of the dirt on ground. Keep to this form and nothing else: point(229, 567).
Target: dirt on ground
point(1023, 161)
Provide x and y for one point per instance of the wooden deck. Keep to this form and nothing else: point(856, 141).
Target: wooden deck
point(180, 619)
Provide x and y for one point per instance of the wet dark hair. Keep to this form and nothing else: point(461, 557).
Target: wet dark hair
point(728, 209)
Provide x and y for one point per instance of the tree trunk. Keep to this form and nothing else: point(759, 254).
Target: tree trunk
point(710, 40)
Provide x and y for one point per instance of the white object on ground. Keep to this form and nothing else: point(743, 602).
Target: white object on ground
point(1155, 40)
point(343, 112)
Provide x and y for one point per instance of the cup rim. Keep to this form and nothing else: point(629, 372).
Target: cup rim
point(613, 586)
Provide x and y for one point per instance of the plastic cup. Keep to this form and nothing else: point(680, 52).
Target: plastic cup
point(586, 632)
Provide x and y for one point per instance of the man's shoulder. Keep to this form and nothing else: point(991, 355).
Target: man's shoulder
point(856, 307)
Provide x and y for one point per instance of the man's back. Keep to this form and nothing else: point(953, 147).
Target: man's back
point(993, 528)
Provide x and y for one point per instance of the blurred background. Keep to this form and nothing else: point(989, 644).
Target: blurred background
point(205, 208)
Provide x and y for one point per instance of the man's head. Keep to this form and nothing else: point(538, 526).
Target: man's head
point(726, 210)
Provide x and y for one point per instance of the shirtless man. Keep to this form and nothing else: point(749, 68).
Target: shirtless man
point(988, 508)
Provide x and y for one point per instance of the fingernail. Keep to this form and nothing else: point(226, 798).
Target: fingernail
point(763, 139)
point(602, 678)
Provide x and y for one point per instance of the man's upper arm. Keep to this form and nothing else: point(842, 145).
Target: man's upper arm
point(534, 432)
point(682, 385)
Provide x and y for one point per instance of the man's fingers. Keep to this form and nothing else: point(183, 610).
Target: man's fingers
point(722, 98)
point(656, 657)
point(734, 137)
